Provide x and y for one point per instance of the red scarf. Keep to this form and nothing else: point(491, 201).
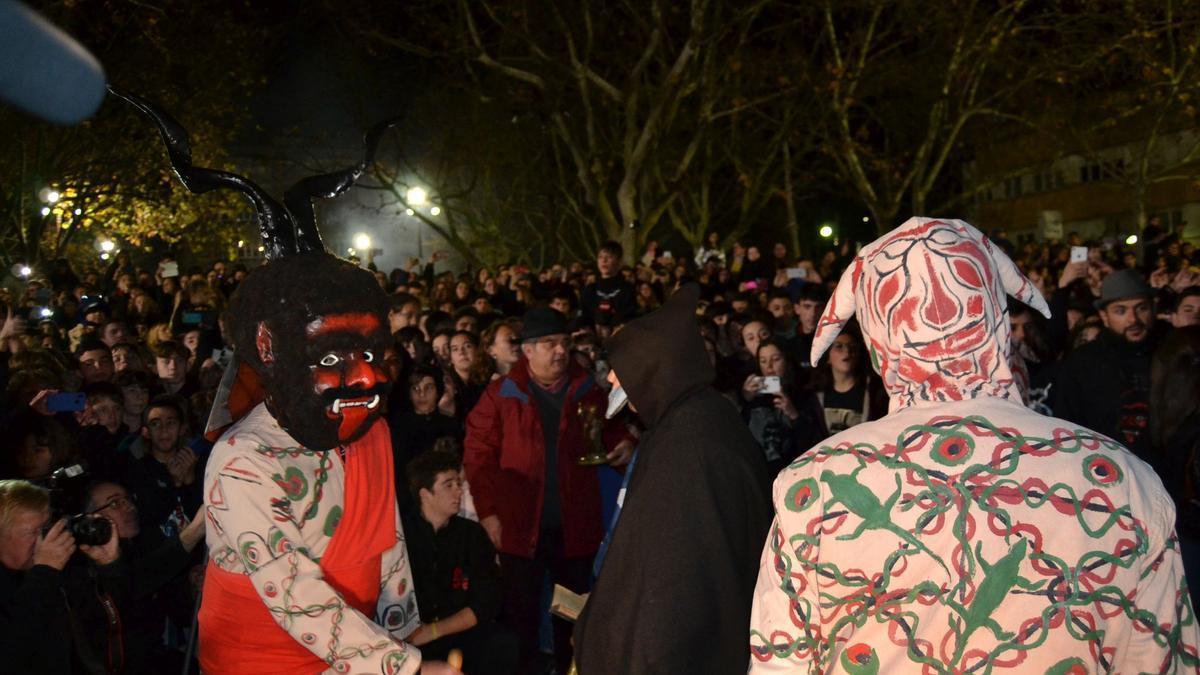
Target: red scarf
point(238, 635)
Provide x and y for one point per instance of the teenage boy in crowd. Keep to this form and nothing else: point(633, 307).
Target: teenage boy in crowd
point(455, 573)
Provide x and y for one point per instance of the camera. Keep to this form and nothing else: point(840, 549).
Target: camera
point(68, 486)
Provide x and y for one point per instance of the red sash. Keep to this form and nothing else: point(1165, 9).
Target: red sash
point(239, 635)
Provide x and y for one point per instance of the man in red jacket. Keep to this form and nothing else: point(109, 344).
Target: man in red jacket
point(540, 508)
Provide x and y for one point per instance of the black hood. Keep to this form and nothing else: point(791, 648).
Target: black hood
point(660, 357)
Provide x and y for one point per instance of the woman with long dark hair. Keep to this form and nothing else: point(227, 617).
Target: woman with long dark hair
point(784, 417)
point(849, 392)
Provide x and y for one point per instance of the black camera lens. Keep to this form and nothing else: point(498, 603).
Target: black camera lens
point(90, 530)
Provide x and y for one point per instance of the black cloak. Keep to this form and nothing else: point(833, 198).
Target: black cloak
point(676, 586)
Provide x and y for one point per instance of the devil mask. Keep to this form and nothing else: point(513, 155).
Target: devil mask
point(311, 326)
point(314, 329)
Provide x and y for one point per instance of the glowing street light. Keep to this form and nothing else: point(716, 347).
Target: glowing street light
point(25, 270)
point(241, 243)
point(866, 219)
point(350, 251)
point(362, 241)
point(826, 231)
point(1131, 239)
point(45, 210)
point(53, 196)
point(104, 256)
point(107, 246)
point(434, 211)
point(409, 212)
point(416, 196)
point(78, 212)
point(261, 249)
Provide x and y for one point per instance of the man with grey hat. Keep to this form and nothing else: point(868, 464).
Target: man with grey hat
point(1105, 384)
point(539, 505)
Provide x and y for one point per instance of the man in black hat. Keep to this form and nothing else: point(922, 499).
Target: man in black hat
point(540, 507)
point(1105, 384)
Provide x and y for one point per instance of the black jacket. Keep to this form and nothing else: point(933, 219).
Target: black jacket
point(675, 591)
point(608, 301)
point(452, 568)
point(1104, 385)
point(36, 633)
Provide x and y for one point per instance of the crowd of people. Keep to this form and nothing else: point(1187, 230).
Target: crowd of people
point(110, 377)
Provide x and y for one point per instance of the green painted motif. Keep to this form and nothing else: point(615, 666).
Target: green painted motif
point(332, 519)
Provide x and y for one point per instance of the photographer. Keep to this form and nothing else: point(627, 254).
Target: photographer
point(58, 612)
point(163, 573)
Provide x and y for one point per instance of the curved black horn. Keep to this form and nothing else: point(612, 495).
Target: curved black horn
point(299, 197)
point(275, 223)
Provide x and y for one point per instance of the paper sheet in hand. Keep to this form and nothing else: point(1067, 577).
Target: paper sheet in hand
point(566, 604)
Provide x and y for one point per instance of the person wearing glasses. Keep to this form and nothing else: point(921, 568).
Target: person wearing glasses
point(539, 507)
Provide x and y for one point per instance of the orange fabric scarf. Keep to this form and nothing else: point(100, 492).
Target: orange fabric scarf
point(238, 634)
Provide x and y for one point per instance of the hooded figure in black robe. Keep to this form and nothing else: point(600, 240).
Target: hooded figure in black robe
point(675, 590)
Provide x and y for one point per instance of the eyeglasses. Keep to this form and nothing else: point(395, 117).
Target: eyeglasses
point(120, 501)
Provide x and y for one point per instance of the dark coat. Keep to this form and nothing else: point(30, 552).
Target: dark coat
point(675, 591)
point(1104, 385)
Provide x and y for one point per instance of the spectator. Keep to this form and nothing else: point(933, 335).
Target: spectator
point(126, 356)
point(56, 612)
point(784, 417)
point(455, 573)
point(135, 394)
point(1175, 428)
point(417, 430)
point(1186, 311)
point(115, 332)
point(710, 251)
point(610, 300)
point(171, 364)
point(103, 429)
point(160, 586)
point(469, 382)
point(540, 509)
point(164, 475)
point(1105, 384)
point(441, 347)
point(95, 361)
point(39, 445)
point(808, 306)
point(848, 390)
point(500, 350)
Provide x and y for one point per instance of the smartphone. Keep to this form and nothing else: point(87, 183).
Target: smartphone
point(752, 285)
point(170, 269)
point(796, 273)
point(771, 385)
point(193, 318)
point(1079, 254)
point(66, 402)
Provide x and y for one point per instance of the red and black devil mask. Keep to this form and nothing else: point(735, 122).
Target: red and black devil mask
point(313, 327)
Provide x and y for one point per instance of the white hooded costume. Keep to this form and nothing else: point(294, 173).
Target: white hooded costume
point(963, 532)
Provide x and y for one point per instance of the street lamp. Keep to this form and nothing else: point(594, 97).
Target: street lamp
point(45, 210)
point(362, 241)
point(416, 196)
point(1131, 240)
point(409, 212)
point(826, 231)
point(107, 246)
point(25, 270)
point(53, 196)
point(434, 211)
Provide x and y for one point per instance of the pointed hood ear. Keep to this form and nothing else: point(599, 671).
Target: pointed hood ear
point(326, 186)
point(1016, 284)
point(840, 309)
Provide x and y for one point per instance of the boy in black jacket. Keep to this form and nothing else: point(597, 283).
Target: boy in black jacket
point(454, 571)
